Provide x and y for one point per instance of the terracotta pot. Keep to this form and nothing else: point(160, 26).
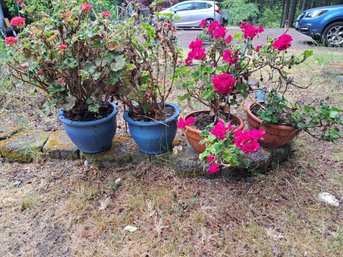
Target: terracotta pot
point(193, 134)
point(276, 135)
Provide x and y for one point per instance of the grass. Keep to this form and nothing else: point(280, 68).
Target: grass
point(62, 208)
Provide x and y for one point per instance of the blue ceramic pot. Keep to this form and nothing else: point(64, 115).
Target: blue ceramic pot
point(154, 137)
point(91, 136)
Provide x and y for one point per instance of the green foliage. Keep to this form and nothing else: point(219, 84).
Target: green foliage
point(239, 10)
point(83, 75)
point(151, 72)
point(270, 18)
point(322, 122)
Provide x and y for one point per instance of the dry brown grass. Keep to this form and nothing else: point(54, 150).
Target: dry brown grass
point(62, 208)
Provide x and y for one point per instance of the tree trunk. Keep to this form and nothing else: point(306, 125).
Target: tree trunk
point(285, 12)
point(293, 9)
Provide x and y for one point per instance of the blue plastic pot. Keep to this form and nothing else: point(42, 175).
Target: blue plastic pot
point(154, 137)
point(91, 136)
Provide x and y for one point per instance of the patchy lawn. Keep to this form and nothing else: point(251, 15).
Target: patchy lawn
point(62, 208)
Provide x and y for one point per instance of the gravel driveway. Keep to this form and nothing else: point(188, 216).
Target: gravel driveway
point(300, 41)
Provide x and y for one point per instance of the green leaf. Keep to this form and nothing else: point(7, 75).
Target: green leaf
point(119, 64)
point(208, 95)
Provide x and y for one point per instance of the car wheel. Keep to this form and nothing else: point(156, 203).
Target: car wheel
point(333, 35)
point(210, 20)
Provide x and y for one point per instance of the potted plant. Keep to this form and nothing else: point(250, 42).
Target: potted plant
point(217, 76)
point(75, 57)
point(149, 80)
point(275, 114)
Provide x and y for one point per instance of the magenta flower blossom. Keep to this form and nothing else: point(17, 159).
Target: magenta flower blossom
point(181, 124)
point(258, 48)
point(223, 83)
point(212, 26)
point(244, 24)
point(203, 24)
point(228, 39)
point(211, 158)
point(214, 168)
point(229, 57)
point(219, 32)
point(197, 43)
point(219, 130)
point(283, 42)
point(247, 141)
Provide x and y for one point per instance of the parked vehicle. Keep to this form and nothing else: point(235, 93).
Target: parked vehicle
point(323, 24)
point(192, 12)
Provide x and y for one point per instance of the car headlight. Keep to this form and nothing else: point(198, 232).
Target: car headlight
point(315, 13)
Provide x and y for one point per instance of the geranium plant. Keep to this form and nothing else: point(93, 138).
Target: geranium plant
point(74, 56)
point(225, 147)
point(152, 62)
point(219, 75)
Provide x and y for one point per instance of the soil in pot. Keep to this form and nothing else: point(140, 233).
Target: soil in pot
point(83, 114)
point(203, 119)
point(168, 111)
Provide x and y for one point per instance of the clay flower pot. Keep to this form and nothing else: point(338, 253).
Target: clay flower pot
point(276, 135)
point(193, 134)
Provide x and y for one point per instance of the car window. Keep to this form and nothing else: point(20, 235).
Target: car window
point(184, 7)
point(200, 6)
point(208, 5)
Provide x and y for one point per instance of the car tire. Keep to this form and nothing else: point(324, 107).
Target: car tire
point(333, 35)
point(209, 20)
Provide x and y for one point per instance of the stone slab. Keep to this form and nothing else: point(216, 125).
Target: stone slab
point(24, 146)
point(7, 129)
point(120, 154)
point(59, 146)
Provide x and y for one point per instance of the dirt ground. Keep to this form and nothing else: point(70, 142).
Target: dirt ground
point(64, 208)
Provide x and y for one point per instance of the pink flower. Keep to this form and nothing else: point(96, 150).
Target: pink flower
point(219, 32)
point(214, 168)
point(22, 5)
point(181, 124)
point(61, 81)
point(18, 22)
point(11, 41)
point(197, 43)
point(250, 32)
point(212, 26)
point(106, 14)
point(229, 57)
point(283, 42)
point(219, 130)
point(203, 24)
point(211, 158)
point(85, 7)
point(188, 61)
point(63, 47)
point(247, 141)
point(260, 29)
point(19, 1)
point(223, 83)
point(258, 48)
point(197, 54)
point(244, 24)
point(228, 39)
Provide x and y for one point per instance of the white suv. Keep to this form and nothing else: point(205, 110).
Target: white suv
point(192, 12)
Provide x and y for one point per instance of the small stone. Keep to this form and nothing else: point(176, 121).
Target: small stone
point(59, 146)
point(86, 164)
point(17, 183)
point(24, 146)
point(329, 199)
point(117, 182)
point(130, 228)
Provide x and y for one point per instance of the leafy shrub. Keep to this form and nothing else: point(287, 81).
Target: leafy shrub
point(271, 18)
point(239, 10)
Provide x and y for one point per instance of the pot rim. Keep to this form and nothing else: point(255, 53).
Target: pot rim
point(276, 126)
point(206, 111)
point(153, 123)
point(75, 123)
